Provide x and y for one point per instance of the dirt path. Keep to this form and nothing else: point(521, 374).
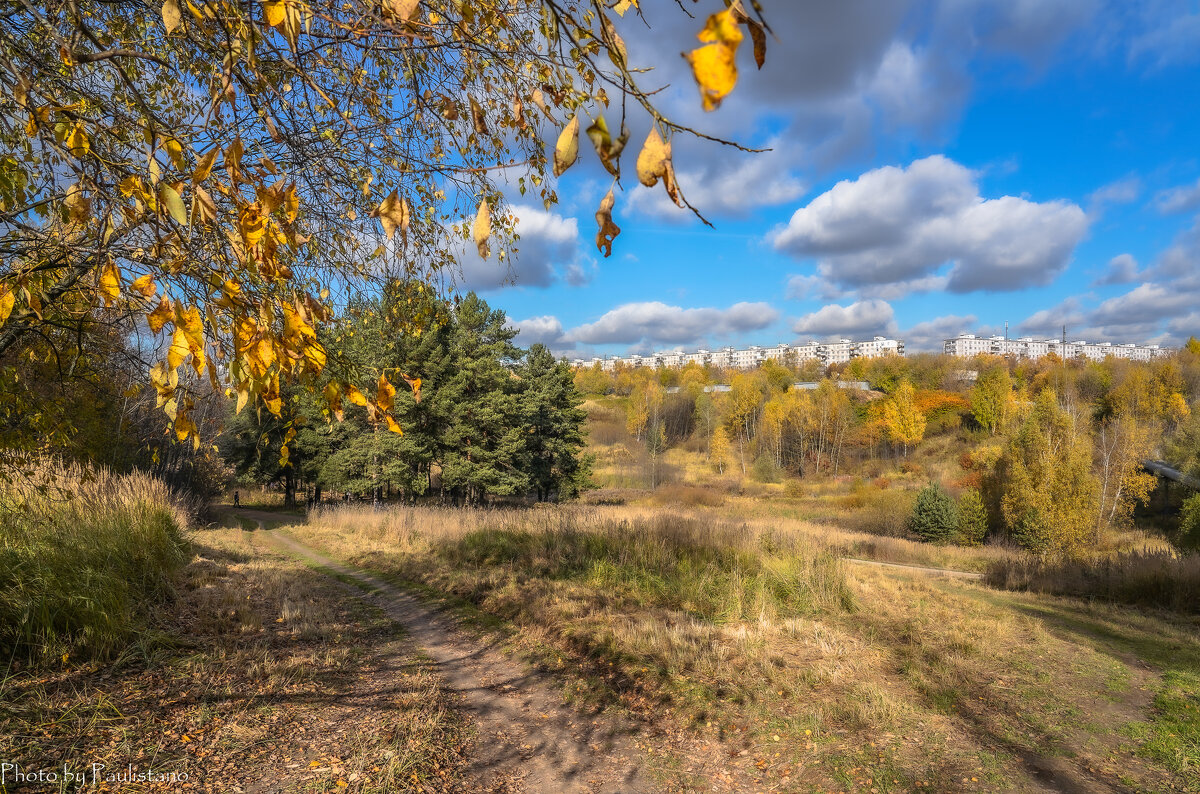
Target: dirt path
point(527, 739)
point(925, 569)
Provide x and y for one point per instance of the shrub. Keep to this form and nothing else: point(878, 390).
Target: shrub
point(764, 469)
point(83, 555)
point(1189, 523)
point(934, 517)
point(972, 518)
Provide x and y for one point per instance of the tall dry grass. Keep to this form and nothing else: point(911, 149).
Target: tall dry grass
point(1152, 577)
point(83, 552)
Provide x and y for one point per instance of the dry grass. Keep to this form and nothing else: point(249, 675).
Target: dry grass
point(84, 554)
point(924, 684)
point(263, 669)
point(1153, 578)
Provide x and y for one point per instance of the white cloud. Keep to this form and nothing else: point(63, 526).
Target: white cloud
point(861, 317)
point(1048, 322)
point(653, 321)
point(1122, 269)
point(549, 244)
point(546, 330)
point(731, 184)
point(901, 224)
point(929, 335)
point(1147, 303)
point(1122, 191)
point(1184, 198)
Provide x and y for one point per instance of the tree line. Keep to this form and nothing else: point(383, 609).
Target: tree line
point(484, 419)
point(1050, 450)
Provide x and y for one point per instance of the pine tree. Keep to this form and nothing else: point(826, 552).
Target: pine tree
point(934, 517)
point(555, 426)
point(483, 444)
point(972, 518)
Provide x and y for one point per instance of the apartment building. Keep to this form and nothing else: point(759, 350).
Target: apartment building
point(968, 345)
point(838, 352)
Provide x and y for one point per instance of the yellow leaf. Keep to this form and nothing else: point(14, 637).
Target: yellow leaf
point(169, 196)
point(204, 209)
point(276, 12)
point(253, 224)
point(204, 166)
point(144, 285)
point(7, 300)
point(175, 152)
point(567, 147)
point(291, 203)
point(608, 230)
point(415, 385)
point(334, 398)
point(654, 162)
point(482, 229)
point(391, 425)
point(385, 393)
point(77, 140)
point(355, 396)
point(623, 5)
point(243, 396)
point(401, 9)
point(160, 316)
point(477, 118)
point(110, 283)
point(171, 16)
point(608, 150)
point(393, 213)
point(178, 350)
point(713, 65)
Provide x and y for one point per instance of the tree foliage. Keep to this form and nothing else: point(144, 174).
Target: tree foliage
point(223, 173)
point(935, 517)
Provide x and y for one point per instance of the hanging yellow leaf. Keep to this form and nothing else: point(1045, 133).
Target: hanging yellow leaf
point(400, 9)
point(355, 397)
point(272, 398)
point(393, 213)
point(714, 63)
point(477, 118)
point(623, 5)
point(243, 396)
point(275, 11)
point(608, 230)
point(161, 315)
point(178, 350)
point(144, 286)
point(567, 148)
point(415, 385)
point(204, 166)
point(613, 43)
point(7, 301)
point(110, 283)
point(253, 224)
point(334, 398)
point(77, 140)
point(482, 229)
point(385, 394)
point(608, 150)
point(171, 16)
point(391, 425)
point(654, 162)
point(204, 209)
point(170, 199)
point(175, 152)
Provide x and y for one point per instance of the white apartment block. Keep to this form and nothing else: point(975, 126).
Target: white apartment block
point(968, 345)
point(838, 352)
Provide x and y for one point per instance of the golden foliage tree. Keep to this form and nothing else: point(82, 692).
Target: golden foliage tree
point(903, 421)
point(224, 172)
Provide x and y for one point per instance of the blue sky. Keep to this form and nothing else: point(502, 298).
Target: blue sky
point(934, 168)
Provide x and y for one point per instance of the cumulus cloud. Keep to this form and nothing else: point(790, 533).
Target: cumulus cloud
point(657, 322)
point(903, 224)
point(549, 243)
point(1122, 269)
point(1048, 322)
point(860, 317)
point(546, 330)
point(1147, 303)
point(928, 336)
point(1184, 198)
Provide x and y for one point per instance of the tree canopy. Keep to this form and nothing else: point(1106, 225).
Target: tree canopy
point(221, 173)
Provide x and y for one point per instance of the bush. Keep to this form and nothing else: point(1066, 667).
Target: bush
point(83, 555)
point(934, 517)
point(764, 469)
point(1189, 523)
point(972, 518)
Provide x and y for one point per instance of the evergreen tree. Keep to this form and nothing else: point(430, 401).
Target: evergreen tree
point(483, 444)
point(972, 518)
point(934, 517)
point(555, 426)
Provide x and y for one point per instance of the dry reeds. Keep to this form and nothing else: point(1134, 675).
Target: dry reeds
point(82, 552)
